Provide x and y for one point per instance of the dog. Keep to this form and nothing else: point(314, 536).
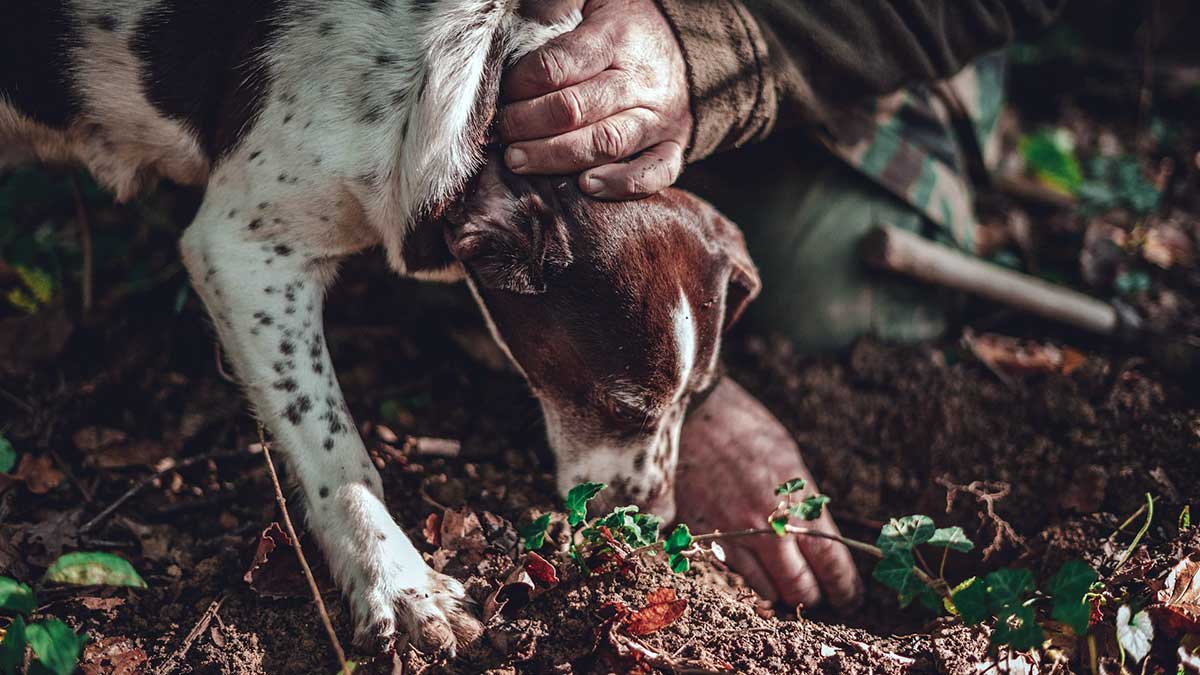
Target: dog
point(319, 128)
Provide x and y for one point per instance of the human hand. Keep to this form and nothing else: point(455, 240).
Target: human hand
point(609, 98)
point(733, 454)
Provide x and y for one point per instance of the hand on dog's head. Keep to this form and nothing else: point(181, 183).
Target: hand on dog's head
point(613, 311)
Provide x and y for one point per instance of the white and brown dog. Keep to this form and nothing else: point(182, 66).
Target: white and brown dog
point(318, 128)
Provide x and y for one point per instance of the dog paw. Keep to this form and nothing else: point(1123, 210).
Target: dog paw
point(422, 607)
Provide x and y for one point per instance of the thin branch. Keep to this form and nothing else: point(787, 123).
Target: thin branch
point(202, 623)
point(85, 243)
point(141, 485)
point(312, 583)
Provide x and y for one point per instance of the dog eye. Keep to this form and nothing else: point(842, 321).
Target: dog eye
point(625, 413)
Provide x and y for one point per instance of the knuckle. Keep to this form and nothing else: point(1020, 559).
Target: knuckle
point(568, 109)
point(608, 141)
point(550, 67)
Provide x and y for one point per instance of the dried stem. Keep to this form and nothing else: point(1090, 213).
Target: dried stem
point(85, 243)
point(312, 583)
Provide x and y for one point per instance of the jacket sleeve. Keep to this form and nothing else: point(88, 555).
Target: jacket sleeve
point(754, 65)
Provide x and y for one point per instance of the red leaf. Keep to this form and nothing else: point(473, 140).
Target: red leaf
point(433, 529)
point(662, 609)
point(540, 569)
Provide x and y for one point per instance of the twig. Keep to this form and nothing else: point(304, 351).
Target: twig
point(989, 493)
point(85, 243)
point(935, 584)
point(206, 618)
point(138, 487)
point(1141, 533)
point(312, 583)
point(627, 646)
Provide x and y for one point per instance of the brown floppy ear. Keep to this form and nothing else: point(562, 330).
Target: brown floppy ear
point(744, 282)
point(505, 234)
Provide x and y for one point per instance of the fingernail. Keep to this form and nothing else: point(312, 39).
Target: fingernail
point(516, 158)
point(592, 185)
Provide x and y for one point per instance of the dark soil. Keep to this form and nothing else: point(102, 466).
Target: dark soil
point(879, 426)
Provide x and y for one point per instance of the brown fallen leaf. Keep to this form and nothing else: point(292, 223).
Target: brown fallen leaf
point(462, 531)
point(112, 449)
point(276, 573)
point(1178, 606)
point(39, 474)
point(113, 656)
point(433, 529)
point(517, 588)
point(662, 609)
point(540, 569)
point(1008, 356)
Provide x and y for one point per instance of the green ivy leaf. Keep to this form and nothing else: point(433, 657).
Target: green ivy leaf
point(970, 599)
point(810, 508)
point(1068, 590)
point(905, 534)
point(679, 563)
point(951, 538)
point(533, 535)
point(791, 487)
point(679, 540)
point(12, 649)
point(647, 525)
point(1051, 157)
point(93, 569)
point(56, 646)
point(895, 571)
point(16, 597)
point(931, 599)
point(577, 500)
point(8, 455)
point(1185, 518)
point(779, 524)
point(1006, 587)
point(1017, 628)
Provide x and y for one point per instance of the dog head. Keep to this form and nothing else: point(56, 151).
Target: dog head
point(613, 312)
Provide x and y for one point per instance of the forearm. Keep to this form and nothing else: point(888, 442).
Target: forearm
point(755, 65)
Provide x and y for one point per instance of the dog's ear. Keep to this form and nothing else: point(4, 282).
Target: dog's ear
point(744, 282)
point(505, 233)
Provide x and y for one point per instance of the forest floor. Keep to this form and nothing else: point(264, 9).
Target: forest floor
point(1040, 461)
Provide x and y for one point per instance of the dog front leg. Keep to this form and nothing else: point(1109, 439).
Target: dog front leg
point(262, 279)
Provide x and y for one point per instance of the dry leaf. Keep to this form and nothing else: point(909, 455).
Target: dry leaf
point(113, 656)
point(432, 529)
point(1178, 606)
point(518, 587)
point(277, 573)
point(461, 531)
point(540, 569)
point(39, 473)
point(662, 609)
point(1009, 356)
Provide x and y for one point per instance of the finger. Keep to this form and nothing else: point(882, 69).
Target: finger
point(789, 571)
point(744, 563)
point(604, 142)
point(654, 170)
point(833, 566)
point(567, 109)
point(568, 59)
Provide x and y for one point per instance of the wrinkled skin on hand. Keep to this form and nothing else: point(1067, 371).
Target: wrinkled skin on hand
point(609, 99)
point(733, 455)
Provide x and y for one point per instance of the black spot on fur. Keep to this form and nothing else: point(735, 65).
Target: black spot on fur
point(254, 224)
point(287, 118)
point(35, 65)
point(282, 250)
point(326, 28)
point(287, 347)
point(318, 367)
point(381, 536)
point(323, 492)
point(233, 213)
point(287, 384)
point(254, 155)
point(269, 290)
point(264, 205)
point(105, 22)
point(201, 65)
point(328, 444)
point(384, 59)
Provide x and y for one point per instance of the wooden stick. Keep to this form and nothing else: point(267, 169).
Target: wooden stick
point(896, 250)
point(312, 583)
